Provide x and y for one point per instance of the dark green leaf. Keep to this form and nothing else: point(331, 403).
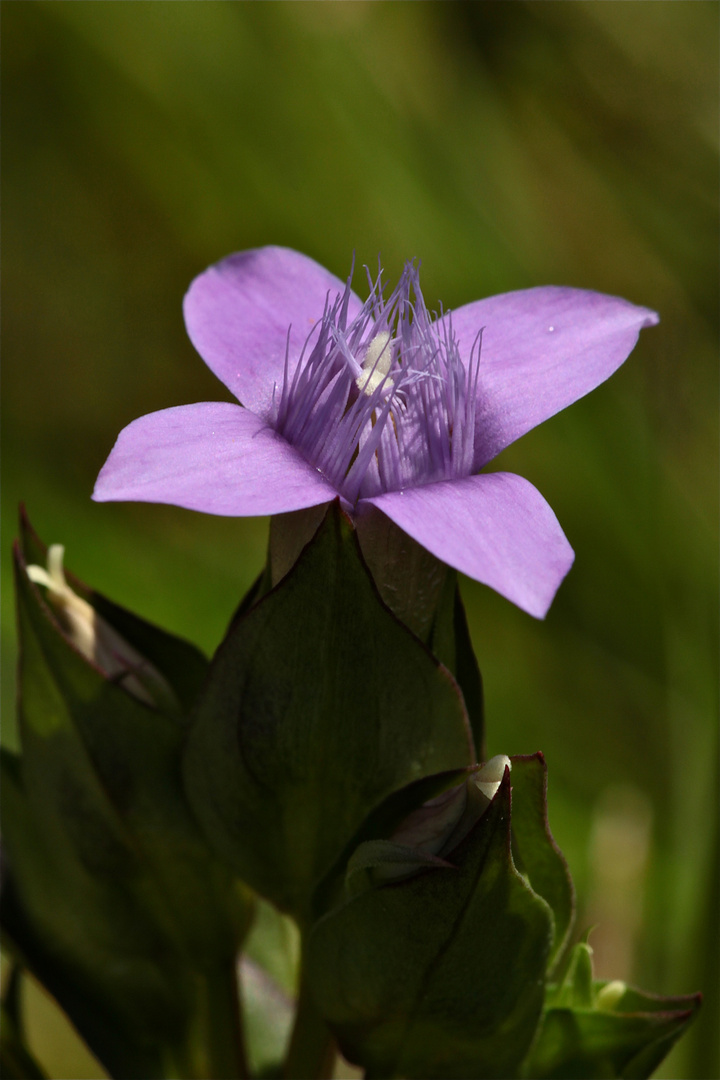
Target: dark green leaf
point(535, 852)
point(319, 705)
point(440, 975)
point(104, 769)
point(112, 900)
point(97, 956)
point(450, 642)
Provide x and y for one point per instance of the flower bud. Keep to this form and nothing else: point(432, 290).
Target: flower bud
point(429, 827)
point(610, 995)
point(96, 639)
point(428, 834)
point(489, 777)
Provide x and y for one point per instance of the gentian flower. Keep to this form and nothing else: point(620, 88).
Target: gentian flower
point(380, 404)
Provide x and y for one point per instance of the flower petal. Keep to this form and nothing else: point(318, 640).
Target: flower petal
point(238, 313)
point(496, 528)
point(214, 457)
point(541, 350)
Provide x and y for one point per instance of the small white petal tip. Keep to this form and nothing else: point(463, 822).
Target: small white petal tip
point(96, 639)
point(489, 777)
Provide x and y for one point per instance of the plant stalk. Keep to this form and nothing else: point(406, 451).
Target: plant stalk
point(312, 1051)
point(216, 1049)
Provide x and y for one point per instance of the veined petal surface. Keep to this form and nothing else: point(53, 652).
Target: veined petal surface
point(214, 457)
point(496, 528)
point(238, 313)
point(542, 349)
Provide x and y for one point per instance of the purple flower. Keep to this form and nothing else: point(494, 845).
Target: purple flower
point(380, 404)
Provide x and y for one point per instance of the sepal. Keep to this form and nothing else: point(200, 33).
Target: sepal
point(450, 642)
point(535, 853)
point(420, 591)
point(440, 974)
point(319, 706)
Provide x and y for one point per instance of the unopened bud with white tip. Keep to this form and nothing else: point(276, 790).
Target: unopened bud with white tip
point(429, 833)
point(489, 776)
point(95, 638)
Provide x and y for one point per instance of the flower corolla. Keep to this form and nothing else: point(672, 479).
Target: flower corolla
point(380, 404)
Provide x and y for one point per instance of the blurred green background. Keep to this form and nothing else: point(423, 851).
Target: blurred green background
point(507, 145)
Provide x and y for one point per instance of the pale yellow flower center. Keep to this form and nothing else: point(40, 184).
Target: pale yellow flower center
point(376, 364)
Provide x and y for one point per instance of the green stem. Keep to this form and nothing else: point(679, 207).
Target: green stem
point(216, 1050)
point(311, 1055)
